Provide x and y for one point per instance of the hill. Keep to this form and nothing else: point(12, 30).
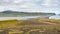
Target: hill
point(10, 13)
point(40, 25)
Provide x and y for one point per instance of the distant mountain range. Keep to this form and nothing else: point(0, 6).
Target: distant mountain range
point(15, 13)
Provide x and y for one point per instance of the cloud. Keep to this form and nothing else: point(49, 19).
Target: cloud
point(30, 5)
point(46, 2)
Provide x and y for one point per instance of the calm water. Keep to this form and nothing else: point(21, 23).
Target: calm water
point(57, 17)
point(18, 18)
point(21, 18)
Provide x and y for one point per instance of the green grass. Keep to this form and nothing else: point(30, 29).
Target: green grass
point(32, 23)
point(8, 23)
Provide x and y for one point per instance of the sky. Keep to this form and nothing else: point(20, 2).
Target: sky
point(52, 6)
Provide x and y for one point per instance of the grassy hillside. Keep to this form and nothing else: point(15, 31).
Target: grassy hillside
point(8, 23)
point(40, 25)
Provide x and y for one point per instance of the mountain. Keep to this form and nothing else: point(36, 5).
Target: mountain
point(9, 11)
point(16, 13)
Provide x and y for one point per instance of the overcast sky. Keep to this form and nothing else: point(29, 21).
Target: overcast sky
point(31, 5)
